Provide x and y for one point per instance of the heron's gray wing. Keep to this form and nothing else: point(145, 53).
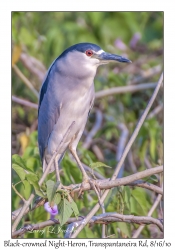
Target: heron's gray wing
point(48, 112)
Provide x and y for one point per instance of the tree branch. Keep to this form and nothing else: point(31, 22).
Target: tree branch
point(104, 218)
point(129, 180)
point(25, 80)
point(147, 185)
point(34, 66)
point(155, 111)
point(16, 191)
point(121, 145)
point(24, 102)
point(125, 89)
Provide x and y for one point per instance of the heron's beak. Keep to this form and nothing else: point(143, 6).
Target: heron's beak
point(105, 57)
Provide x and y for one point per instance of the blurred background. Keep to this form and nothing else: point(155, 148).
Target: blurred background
point(40, 37)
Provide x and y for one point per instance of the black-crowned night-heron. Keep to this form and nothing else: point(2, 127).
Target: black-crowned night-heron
point(67, 96)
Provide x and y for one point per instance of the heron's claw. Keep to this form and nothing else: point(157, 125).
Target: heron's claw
point(94, 186)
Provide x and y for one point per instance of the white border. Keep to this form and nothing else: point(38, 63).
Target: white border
point(5, 94)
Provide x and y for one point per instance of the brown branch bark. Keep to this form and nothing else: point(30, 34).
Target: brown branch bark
point(34, 66)
point(99, 219)
point(125, 89)
point(24, 102)
point(129, 180)
point(25, 80)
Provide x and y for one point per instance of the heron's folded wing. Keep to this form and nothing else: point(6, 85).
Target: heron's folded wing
point(48, 113)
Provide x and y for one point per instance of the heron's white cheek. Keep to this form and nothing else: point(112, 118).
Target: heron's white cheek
point(100, 52)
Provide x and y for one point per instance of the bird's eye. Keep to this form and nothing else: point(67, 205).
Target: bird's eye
point(89, 52)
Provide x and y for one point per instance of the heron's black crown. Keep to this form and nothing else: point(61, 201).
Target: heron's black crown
point(81, 47)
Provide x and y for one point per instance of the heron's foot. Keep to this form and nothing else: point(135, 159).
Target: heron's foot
point(81, 191)
point(93, 184)
point(68, 189)
point(65, 187)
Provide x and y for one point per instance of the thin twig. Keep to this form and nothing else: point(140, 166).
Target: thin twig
point(104, 143)
point(121, 145)
point(125, 89)
point(103, 225)
point(97, 175)
point(148, 186)
point(146, 74)
point(131, 162)
point(16, 191)
point(24, 102)
point(97, 151)
point(25, 80)
point(147, 163)
point(155, 111)
point(57, 169)
point(34, 66)
point(119, 165)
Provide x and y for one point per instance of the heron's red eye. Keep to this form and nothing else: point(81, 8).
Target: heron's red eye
point(89, 52)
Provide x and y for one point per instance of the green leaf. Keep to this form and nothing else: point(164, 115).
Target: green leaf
point(32, 163)
point(153, 147)
point(51, 189)
point(40, 193)
point(127, 197)
point(88, 233)
point(20, 171)
point(32, 177)
point(57, 198)
point(29, 151)
point(65, 211)
point(74, 208)
point(141, 204)
point(16, 159)
point(33, 180)
point(50, 186)
point(153, 178)
point(125, 228)
point(26, 189)
point(98, 164)
point(71, 170)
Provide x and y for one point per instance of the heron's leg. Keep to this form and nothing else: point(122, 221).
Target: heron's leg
point(85, 176)
point(74, 153)
point(56, 164)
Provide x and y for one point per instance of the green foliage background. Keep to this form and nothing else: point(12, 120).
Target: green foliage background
point(44, 35)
